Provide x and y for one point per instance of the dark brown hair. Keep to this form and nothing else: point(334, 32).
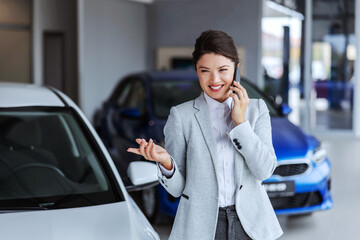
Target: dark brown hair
point(214, 41)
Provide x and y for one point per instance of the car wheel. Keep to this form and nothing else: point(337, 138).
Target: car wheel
point(149, 203)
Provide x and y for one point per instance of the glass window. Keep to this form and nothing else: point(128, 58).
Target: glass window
point(333, 64)
point(15, 40)
point(254, 92)
point(124, 92)
point(15, 56)
point(166, 94)
point(136, 98)
point(46, 157)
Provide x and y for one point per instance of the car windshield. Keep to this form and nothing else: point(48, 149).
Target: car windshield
point(254, 92)
point(166, 94)
point(171, 93)
point(48, 160)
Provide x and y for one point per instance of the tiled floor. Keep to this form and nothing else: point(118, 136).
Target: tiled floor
point(341, 222)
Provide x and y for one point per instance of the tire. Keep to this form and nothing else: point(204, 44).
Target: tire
point(149, 204)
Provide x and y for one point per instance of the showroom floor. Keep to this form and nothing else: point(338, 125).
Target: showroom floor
point(342, 221)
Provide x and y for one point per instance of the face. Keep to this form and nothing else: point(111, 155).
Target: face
point(215, 74)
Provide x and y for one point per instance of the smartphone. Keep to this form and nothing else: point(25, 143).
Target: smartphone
point(236, 76)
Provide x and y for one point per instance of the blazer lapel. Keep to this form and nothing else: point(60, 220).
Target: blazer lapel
point(203, 118)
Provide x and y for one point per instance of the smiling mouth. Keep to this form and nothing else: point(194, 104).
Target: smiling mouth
point(216, 88)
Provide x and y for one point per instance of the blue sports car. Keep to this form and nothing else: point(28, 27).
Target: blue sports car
point(139, 106)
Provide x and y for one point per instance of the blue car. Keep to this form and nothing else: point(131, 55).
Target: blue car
point(139, 106)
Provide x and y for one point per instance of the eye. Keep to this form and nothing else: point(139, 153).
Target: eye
point(223, 69)
point(203, 70)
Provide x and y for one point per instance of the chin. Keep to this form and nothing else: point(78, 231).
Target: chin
point(217, 97)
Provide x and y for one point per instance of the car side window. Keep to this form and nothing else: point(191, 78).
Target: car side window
point(124, 93)
point(136, 97)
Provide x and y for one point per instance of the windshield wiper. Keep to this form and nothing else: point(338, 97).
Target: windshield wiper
point(20, 209)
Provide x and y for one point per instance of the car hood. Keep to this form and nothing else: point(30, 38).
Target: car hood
point(109, 221)
point(289, 140)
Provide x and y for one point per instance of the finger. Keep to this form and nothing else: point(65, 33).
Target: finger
point(152, 151)
point(147, 150)
point(244, 97)
point(243, 90)
point(241, 96)
point(138, 140)
point(142, 147)
point(134, 150)
point(236, 98)
point(241, 93)
point(235, 89)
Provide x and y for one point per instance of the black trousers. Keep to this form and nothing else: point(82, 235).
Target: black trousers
point(229, 226)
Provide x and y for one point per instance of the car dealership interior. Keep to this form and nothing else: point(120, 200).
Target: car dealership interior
point(301, 56)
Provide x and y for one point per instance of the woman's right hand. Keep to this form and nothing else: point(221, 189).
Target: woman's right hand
point(151, 151)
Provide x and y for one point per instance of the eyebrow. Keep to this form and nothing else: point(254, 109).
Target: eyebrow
point(224, 66)
point(203, 67)
point(218, 67)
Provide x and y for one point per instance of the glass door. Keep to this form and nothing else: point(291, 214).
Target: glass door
point(332, 65)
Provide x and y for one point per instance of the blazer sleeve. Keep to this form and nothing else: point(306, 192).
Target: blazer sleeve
point(255, 144)
point(175, 145)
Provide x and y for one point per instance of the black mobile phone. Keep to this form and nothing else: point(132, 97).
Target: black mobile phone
point(237, 77)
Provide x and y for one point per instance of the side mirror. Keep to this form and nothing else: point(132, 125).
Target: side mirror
point(285, 109)
point(142, 175)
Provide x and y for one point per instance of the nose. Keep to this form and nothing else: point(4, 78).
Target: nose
point(215, 77)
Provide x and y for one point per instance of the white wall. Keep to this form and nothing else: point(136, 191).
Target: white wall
point(112, 44)
point(179, 23)
point(55, 15)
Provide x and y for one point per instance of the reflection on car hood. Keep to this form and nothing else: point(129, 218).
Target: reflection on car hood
point(110, 221)
point(289, 140)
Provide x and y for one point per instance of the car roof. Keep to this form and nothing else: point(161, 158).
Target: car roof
point(25, 95)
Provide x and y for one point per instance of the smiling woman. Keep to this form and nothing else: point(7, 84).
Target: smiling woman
point(215, 74)
point(218, 150)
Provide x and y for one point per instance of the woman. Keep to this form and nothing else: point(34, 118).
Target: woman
point(218, 152)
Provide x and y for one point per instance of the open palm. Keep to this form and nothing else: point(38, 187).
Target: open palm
point(151, 151)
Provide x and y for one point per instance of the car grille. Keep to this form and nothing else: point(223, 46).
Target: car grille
point(297, 201)
point(291, 169)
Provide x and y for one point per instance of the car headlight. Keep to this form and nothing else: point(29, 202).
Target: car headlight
point(319, 154)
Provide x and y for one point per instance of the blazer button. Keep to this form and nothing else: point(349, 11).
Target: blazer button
point(235, 140)
point(239, 147)
point(240, 187)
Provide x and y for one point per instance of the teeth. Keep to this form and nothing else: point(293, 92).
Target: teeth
point(216, 88)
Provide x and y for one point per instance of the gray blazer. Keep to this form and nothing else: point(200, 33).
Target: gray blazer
point(190, 142)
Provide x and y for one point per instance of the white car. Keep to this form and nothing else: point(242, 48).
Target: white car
point(57, 180)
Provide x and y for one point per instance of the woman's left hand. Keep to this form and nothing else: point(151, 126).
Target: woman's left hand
point(241, 101)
